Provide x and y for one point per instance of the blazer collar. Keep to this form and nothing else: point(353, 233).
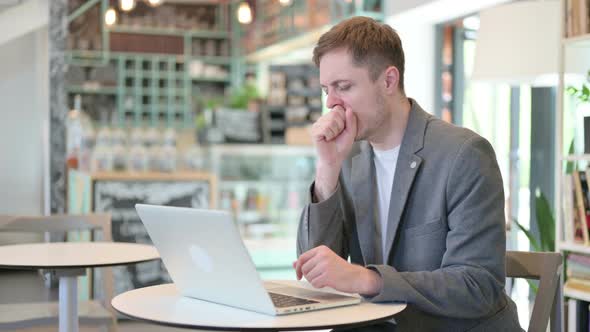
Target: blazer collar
point(413, 140)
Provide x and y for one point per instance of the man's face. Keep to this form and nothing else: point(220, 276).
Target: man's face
point(351, 87)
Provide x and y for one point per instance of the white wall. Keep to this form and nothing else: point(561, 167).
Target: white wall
point(435, 11)
point(418, 41)
point(22, 18)
point(396, 7)
point(24, 107)
point(415, 21)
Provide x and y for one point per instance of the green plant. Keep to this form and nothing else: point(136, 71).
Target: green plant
point(545, 225)
point(200, 121)
point(570, 165)
point(211, 102)
point(582, 93)
point(241, 97)
point(545, 219)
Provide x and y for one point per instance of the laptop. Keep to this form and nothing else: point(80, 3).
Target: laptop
point(207, 260)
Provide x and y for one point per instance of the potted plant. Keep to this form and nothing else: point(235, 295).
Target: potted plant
point(240, 120)
point(545, 220)
point(545, 224)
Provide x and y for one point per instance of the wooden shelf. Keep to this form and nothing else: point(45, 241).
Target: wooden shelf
point(173, 32)
point(576, 294)
point(580, 157)
point(577, 41)
point(211, 79)
point(92, 90)
point(285, 183)
point(215, 60)
point(152, 176)
point(574, 247)
point(262, 150)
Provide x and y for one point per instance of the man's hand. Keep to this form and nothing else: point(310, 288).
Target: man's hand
point(333, 135)
point(324, 268)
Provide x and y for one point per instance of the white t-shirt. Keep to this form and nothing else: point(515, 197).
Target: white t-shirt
point(385, 163)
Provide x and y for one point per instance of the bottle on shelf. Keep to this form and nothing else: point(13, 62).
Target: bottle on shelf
point(119, 143)
point(102, 158)
point(154, 151)
point(168, 151)
point(79, 137)
point(104, 135)
point(138, 159)
point(138, 155)
point(102, 155)
point(195, 159)
point(151, 134)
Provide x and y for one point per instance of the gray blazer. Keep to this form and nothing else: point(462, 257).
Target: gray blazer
point(445, 238)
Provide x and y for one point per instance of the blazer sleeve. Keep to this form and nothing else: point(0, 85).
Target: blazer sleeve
point(323, 224)
point(470, 281)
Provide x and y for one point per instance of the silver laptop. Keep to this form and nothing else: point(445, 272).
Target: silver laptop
point(206, 258)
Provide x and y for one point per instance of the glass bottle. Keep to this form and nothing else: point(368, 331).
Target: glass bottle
point(79, 137)
point(195, 159)
point(119, 139)
point(101, 159)
point(169, 152)
point(138, 157)
point(73, 134)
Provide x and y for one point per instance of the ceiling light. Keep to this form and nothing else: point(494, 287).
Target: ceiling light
point(110, 16)
point(244, 13)
point(285, 2)
point(471, 22)
point(154, 3)
point(126, 5)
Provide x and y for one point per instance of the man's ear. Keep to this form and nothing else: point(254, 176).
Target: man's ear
point(391, 79)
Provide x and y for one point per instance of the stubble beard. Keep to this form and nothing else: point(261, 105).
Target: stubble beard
point(372, 129)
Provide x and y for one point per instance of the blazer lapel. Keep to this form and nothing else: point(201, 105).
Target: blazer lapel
point(408, 164)
point(362, 180)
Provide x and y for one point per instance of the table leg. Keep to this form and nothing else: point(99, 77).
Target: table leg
point(68, 299)
point(68, 304)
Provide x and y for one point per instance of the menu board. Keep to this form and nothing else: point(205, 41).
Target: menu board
point(119, 197)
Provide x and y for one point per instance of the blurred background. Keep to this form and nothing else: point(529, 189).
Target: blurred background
point(207, 104)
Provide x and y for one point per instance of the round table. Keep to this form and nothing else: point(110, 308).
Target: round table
point(164, 305)
point(69, 260)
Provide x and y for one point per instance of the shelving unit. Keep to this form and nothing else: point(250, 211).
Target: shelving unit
point(278, 29)
point(567, 44)
point(172, 32)
point(92, 90)
point(575, 248)
point(294, 99)
point(188, 59)
point(576, 294)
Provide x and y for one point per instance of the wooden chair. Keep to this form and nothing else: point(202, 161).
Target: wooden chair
point(94, 312)
point(547, 268)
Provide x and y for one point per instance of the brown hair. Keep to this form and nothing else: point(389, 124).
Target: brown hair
point(372, 44)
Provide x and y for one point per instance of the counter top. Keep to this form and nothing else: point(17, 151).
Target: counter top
point(153, 176)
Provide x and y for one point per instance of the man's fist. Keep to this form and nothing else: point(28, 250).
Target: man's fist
point(333, 135)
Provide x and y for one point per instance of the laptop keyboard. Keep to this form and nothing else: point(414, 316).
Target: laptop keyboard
point(283, 301)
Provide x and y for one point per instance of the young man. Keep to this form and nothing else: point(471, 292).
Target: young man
point(415, 203)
